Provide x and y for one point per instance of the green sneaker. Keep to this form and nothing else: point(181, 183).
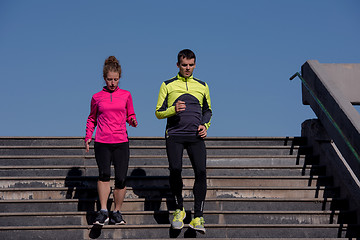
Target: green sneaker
point(179, 216)
point(198, 224)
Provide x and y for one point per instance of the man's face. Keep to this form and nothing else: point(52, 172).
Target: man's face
point(186, 66)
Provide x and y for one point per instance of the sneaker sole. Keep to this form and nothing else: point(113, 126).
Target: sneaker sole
point(177, 228)
point(121, 223)
point(198, 229)
point(101, 224)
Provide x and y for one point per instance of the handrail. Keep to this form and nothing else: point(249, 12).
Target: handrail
point(332, 121)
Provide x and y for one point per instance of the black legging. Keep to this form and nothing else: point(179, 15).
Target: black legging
point(117, 153)
point(196, 150)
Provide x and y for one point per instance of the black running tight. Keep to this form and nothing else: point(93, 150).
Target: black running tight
point(196, 150)
point(117, 153)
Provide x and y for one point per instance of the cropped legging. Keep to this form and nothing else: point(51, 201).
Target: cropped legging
point(118, 154)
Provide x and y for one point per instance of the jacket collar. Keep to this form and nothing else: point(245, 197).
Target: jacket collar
point(106, 90)
point(180, 77)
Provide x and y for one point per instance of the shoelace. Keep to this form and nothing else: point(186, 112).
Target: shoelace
point(103, 213)
point(177, 214)
point(201, 221)
point(119, 216)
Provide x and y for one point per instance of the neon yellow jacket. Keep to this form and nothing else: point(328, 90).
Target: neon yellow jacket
point(196, 96)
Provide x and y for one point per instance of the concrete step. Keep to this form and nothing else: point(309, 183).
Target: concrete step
point(163, 204)
point(257, 187)
point(157, 231)
point(256, 141)
point(41, 141)
point(157, 192)
point(161, 181)
point(150, 150)
point(162, 170)
point(261, 238)
point(165, 217)
point(228, 160)
point(155, 141)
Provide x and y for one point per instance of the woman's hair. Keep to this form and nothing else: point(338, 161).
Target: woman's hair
point(111, 65)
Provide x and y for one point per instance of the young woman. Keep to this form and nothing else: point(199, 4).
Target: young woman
point(110, 109)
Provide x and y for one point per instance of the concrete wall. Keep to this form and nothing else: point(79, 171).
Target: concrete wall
point(323, 148)
point(331, 83)
point(342, 79)
point(335, 135)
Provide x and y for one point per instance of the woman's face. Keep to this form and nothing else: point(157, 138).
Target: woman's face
point(112, 81)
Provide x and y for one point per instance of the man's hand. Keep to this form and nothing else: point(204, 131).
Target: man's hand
point(180, 106)
point(87, 145)
point(202, 131)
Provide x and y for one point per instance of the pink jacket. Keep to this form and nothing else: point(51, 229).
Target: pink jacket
point(109, 112)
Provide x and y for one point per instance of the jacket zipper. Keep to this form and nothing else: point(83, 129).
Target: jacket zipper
point(186, 85)
point(111, 97)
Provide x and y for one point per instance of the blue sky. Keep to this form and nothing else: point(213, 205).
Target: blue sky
point(52, 54)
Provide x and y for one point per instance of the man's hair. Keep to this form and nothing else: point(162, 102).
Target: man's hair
point(186, 53)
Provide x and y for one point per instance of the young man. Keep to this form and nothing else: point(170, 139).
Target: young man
point(185, 102)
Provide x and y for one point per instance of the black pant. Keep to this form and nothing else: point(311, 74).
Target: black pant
point(117, 153)
point(196, 150)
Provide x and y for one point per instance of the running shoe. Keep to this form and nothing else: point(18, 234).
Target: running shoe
point(117, 218)
point(102, 218)
point(178, 221)
point(198, 224)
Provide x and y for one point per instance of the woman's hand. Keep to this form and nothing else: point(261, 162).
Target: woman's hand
point(133, 122)
point(87, 145)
